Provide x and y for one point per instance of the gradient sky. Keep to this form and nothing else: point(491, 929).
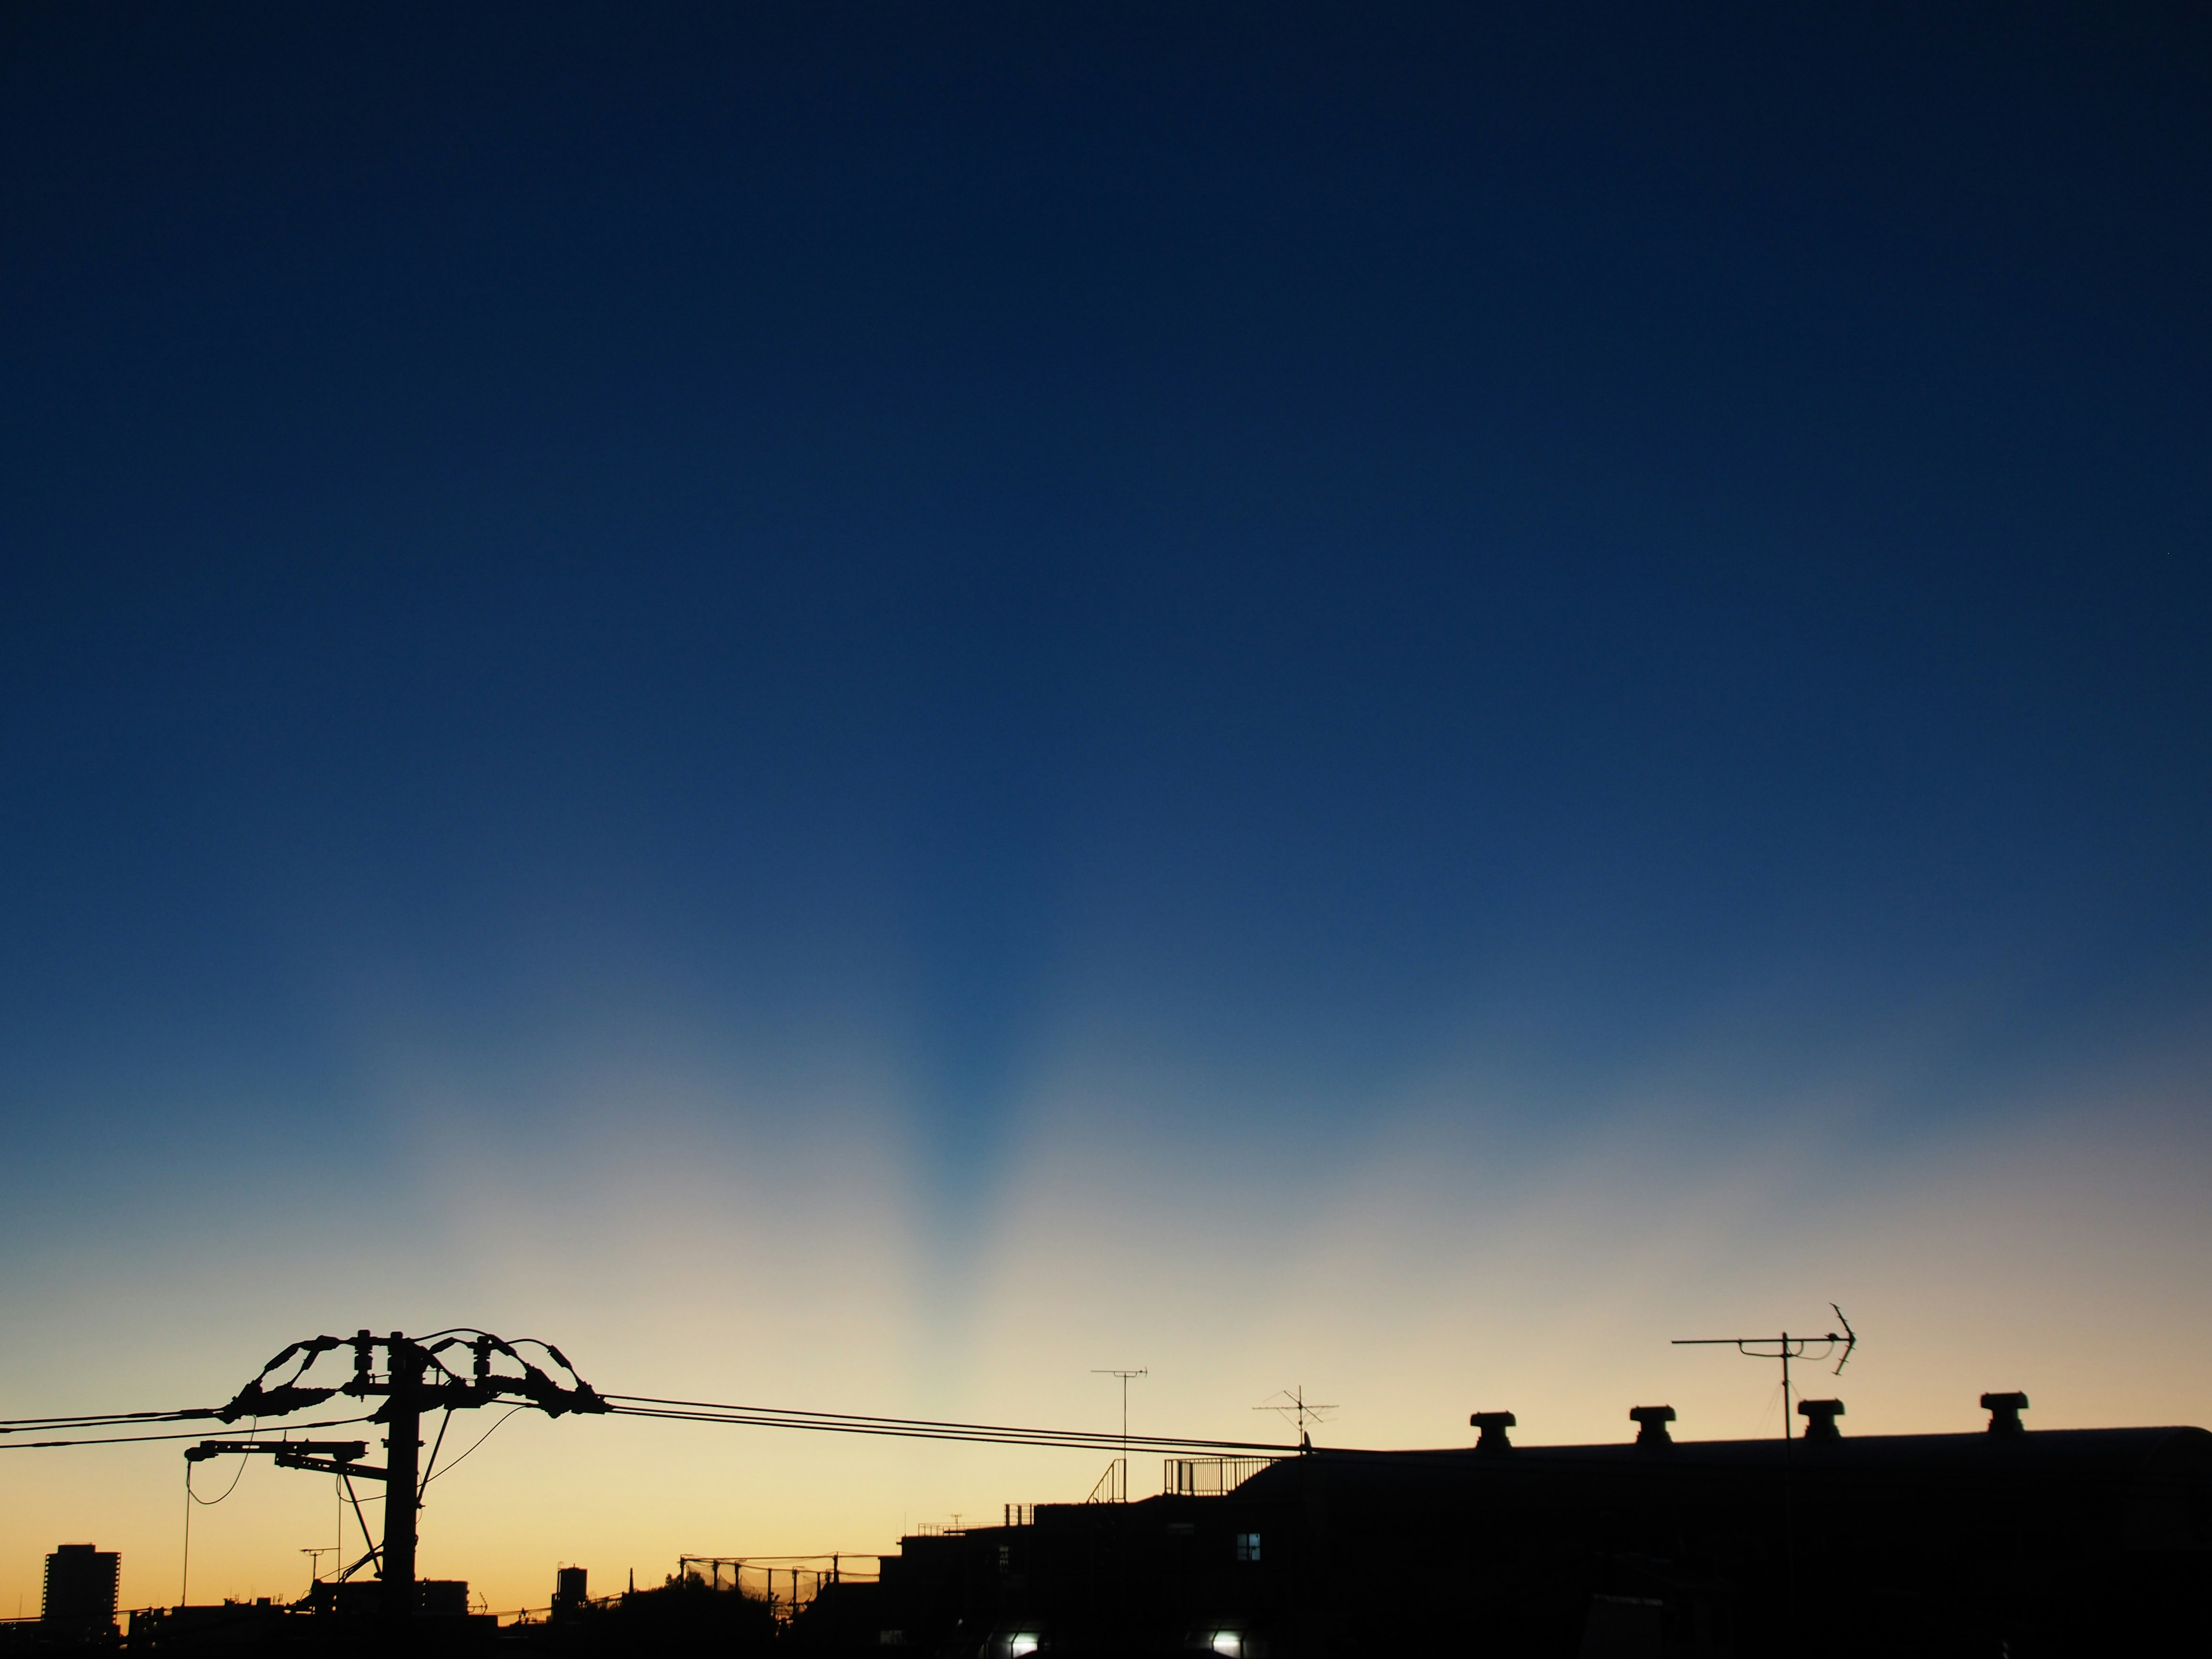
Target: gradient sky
point(859, 707)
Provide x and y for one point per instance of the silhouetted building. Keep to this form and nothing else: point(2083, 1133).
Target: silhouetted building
point(79, 1594)
point(352, 1618)
point(569, 1595)
point(684, 1615)
point(2030, 1544)
point(2008, 1544)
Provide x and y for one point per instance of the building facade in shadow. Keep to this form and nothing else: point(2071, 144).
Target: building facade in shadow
point(2007, 1544)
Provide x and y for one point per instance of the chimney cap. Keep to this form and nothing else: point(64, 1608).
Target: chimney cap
point(1651, 1423)
point(1820, 1417)
point(1493, 1426)
point(2004, 1410)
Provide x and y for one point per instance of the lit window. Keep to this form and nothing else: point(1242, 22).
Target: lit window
point(1227, 1643)
point(1247, 1547)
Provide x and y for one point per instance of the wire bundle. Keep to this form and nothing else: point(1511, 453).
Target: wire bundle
point(920, 1428)
point(120, 1419)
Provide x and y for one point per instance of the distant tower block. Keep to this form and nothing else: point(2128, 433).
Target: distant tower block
point(1651, 1423)
point(568, 1592)
point(1820, 1417)
point(2004, 1410)
point(80, 1588)
point(1493, 1426)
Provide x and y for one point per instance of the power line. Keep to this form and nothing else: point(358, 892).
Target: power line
point(776, 1417)
point(698, 1410)
point(147, 1439)
point(473, 1444)
point(101, 1420)
point(227, 1490)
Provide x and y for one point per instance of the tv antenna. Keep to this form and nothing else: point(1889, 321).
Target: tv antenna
point(1292, 1407)
point(1786, 1347)
point(1099, 1370)
point(1125, 1376)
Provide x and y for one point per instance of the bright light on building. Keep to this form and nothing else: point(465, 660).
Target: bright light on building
point(1228, 1641)
point(1021, 1642)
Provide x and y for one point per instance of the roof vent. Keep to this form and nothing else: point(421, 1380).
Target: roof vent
point(1820, 1417)
point(2004, 1410)
point(1493, 1426)
point(1651, 1423)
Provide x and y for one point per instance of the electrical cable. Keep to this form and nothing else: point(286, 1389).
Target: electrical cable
point(890, 1430)
point(478, 1441)
point(191, 1498)
point(149, 1439)
point(535, 1382)
point(375, 1554)
point(780, 1417)
point(226, 1490)
point(504, 1345)
point(799, 1418)
point(933, 1429)
point(102, 1419)
point(444, 1423)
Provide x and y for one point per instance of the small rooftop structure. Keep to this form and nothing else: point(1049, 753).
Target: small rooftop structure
point(1493, 1426)
point(1820, 1417)
point(1651, 1423)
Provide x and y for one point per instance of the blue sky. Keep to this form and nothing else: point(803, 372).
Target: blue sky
point(1300, 626)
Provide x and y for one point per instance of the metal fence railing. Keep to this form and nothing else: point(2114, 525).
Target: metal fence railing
point(1208, 1477)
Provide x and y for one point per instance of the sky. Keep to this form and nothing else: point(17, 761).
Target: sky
point(864, 706)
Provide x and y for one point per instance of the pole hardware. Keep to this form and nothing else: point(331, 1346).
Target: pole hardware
point(416, 1378)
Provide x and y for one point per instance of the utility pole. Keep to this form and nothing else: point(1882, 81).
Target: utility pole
point(415, 1379)
point(403, 1484)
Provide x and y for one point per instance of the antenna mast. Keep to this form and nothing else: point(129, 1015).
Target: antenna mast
point(1786, 1347)
point(1125, 1376)
point(1292, 1406)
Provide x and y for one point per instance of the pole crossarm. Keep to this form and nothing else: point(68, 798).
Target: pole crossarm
point(344, 1450)
point(416, 1377)
point(295, 1455)
point(320, 1466)
point(437, 1385)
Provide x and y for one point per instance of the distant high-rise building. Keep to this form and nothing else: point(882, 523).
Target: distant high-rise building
point(80, 1588)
